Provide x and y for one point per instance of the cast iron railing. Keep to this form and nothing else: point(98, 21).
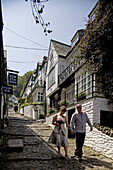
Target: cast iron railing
point(67, 72)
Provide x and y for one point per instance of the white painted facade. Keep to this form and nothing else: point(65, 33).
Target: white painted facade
point(37, 94)
point(35, 91)
point(56, 64)
point(52, 71)
point(38, 88)
point(27, 88)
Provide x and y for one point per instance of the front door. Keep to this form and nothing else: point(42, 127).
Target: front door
point(70, 112)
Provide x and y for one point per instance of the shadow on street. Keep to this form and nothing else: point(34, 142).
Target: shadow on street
point(37, 152)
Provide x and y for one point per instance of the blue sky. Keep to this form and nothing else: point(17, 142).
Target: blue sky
point(65, 17)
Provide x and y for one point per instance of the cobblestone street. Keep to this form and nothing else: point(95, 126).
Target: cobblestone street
point(37, 154)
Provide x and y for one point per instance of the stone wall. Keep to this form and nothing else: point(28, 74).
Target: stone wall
point(87, 106)
point(100, 142)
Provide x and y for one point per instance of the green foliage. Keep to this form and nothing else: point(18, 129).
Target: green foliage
point(44, 103)
point(7, 121)
point(21, 100)
point(1, 141)
point(63, 103)
point(97, 35)
point(42, 116)
point(1, 155)
point(22, 80)
point(104, 129)
point(34, 103)
point(26, 104)
point(96, 45)
point(81, 96)
point(51, 110)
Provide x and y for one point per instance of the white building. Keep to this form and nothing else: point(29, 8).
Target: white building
point(38, 88)
point(56, 64)
point(35, 92)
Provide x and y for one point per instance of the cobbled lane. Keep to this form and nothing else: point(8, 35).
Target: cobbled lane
point(38, 154)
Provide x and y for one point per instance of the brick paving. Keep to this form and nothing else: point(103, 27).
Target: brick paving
point(38, 154)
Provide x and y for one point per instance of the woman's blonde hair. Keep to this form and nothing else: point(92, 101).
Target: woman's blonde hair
point(63, 108)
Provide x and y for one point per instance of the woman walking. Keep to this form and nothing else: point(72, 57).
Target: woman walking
point(58, 135)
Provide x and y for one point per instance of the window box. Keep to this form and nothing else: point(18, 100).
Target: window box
point(81, 96)
point(51, 110)
point(63, 103)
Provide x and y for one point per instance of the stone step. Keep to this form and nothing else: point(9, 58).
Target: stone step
point(15, 145)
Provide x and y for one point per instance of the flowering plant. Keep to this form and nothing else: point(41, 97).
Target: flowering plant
point(81, 96)
point(63, 103)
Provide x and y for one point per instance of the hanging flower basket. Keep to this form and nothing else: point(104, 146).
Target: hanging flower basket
point(63, 103)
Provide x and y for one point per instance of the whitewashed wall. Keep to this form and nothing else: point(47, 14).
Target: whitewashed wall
point(100, 104)
point(49, 120)
point(28, 112)
point(55, 85)
point(93, 106)
point(55, 61)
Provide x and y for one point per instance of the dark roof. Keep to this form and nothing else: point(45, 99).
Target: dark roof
point(96, 6)
point(61, 48)
point(26, 85)
point(78, 31)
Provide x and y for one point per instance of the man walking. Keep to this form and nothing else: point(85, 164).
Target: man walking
point(78, 126)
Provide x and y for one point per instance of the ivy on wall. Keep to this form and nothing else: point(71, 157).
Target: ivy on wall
point(96, 45)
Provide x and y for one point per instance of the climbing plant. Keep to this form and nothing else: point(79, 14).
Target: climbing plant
point(96, 45)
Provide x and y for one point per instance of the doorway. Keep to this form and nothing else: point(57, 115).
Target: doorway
point(106, 118)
